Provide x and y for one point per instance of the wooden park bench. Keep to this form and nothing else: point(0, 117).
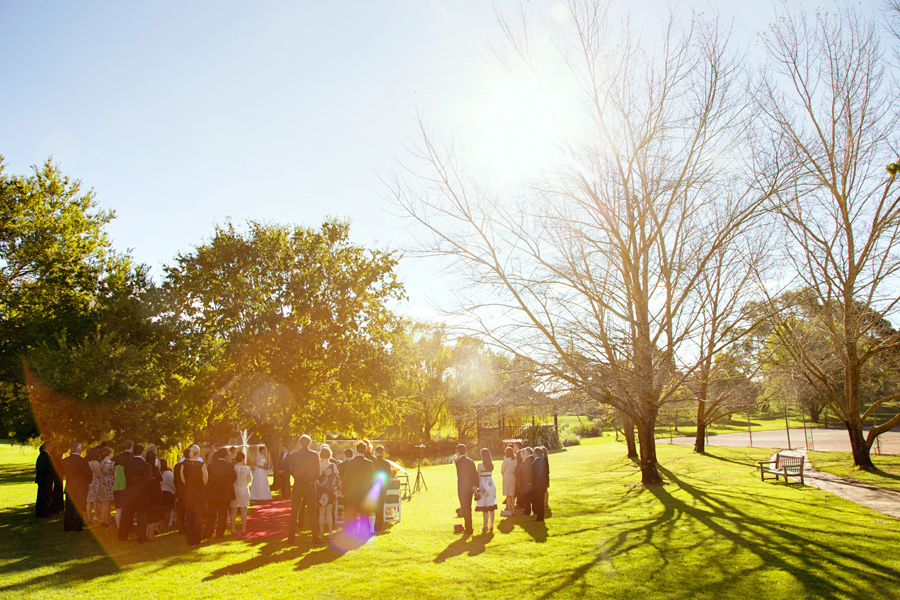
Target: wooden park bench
point(783, 466)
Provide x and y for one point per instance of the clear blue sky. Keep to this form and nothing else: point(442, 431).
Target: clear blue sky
point(182, 114)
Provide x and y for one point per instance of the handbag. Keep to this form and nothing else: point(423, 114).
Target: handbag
point(477, 494)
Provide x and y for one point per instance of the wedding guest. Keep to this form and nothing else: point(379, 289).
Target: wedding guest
point(508, 472)
point(194, 478)
point(547, 493)
point(382, 479)
point(219, 493)
point(78, 479)
point(153, 494)
point(328, 487)
point(342, 466)
point(57, 503)
point(368, 453)
point(44, 476)
point(487, 501)
point(232, 455)
point(466, 482)
point(244, 476)
point(92, 456)
point(304, 468)
point(120, 462)
point(527, 485)
point(105, 490)
point(360, 474)
point(138, 475)
point(260, 489)
point(540, 477)
point(179, 490)
point(168, 494)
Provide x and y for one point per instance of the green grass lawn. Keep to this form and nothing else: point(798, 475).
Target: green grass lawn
point(714, 531)
point(841, 463)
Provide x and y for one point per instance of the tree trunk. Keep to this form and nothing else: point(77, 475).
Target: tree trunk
point(700, 440)
point(861, 458)
point(649, 472)
point(628, 430)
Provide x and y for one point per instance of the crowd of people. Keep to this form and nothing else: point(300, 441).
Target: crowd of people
point(525, 476)
point(207, 496)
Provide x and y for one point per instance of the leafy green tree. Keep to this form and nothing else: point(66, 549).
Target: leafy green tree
point(53, 254)
point(287, 329)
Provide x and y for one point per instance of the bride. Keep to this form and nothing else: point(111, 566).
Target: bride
point(259, 489)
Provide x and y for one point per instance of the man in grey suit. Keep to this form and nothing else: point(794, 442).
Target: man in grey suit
point(466, 482)
point(303, 466)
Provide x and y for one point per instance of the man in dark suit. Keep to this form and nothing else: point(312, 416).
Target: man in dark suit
point(303, 466)
point(360, 474)
point(138, 476)
point(44, 475)
point(120, 461)
point(219, 493)
point(540, 481)
point(527, 486)
point(382, 478)
point(466, 482)
point(78, 480)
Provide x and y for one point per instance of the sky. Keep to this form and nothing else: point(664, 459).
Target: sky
point(180, 115)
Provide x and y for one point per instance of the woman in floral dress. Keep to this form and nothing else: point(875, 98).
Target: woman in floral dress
point(487, 502)
point(328, 488)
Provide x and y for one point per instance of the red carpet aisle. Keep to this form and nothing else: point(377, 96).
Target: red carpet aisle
point(268, 519)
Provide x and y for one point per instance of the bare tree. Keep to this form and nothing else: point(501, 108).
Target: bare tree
point(595, 273)
point(832, 110)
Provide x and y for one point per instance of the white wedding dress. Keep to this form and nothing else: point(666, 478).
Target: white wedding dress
point(259, 489)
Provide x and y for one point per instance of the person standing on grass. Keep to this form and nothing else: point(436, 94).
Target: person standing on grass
point(487, 493)
point(119, 472)
point(241, 493)
point(78, 478)
point(193, 479)
point(138, 477)
point(219, 493)
point(540, 480)
point(360, 474)
point(304, 468)
point(527, 488)
point(328, 487)
point(44, 475)
point(508, 472)
point(382, 478)
point(466, 482)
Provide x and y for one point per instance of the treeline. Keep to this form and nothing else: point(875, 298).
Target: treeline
point(267, 329)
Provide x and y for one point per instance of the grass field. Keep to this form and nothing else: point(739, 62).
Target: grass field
point(714, 531)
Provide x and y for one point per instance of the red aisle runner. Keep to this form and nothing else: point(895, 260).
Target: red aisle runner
point(268, 519)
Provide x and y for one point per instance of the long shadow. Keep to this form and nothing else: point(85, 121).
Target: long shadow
point(472, 545)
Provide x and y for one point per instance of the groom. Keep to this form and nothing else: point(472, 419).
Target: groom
point(466, 481)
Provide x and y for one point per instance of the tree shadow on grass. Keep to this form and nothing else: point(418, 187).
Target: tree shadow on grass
point(31, 544)
point(806, 545)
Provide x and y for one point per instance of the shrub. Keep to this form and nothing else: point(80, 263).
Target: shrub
point(571, 442)
point(539, 435)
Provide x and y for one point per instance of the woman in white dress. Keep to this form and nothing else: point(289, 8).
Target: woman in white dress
point(508, 470)
point(487, 502)
point(260, 488)
point(241, 493)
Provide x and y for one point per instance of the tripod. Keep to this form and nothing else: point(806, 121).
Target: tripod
point(420, 479)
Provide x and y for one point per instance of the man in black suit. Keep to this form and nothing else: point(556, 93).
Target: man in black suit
point(78, 480)
point(360, 474)
point(138, 476)
point(540, 481)
point(44, 475)
point(120, 461)
point(303, 466)
point(382, 479)
point(466, 482)
point(219, 493)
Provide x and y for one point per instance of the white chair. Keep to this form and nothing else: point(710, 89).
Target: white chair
point(392, 506)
